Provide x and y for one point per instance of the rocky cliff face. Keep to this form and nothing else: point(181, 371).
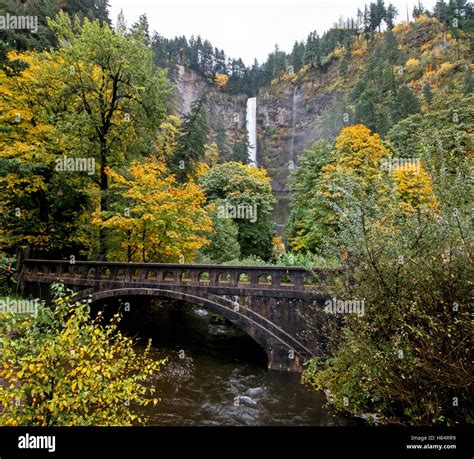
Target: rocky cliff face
point(225, 113)
point(290, 118)
point(288, 123)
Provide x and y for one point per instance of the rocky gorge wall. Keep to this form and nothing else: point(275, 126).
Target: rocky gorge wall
point(225, 113)
point(290, 118)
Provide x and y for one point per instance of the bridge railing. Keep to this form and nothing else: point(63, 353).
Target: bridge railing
point(262, 277)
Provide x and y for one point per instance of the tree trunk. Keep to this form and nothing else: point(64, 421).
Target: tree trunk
point(104, 185)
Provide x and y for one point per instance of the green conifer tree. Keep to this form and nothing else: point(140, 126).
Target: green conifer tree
point(427, 93)
point(191, 141)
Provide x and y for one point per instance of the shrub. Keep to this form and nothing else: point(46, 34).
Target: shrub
point(408, 358)
point(63, 368)
point(7, 270)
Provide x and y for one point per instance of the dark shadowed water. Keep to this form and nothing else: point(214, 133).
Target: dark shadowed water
point(217, 375)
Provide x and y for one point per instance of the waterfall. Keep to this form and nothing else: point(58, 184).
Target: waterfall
point(252, 129)
point(294, 114)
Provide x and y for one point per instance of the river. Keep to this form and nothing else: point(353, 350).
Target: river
point(217, 375)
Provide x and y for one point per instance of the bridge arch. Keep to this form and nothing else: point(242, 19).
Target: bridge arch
point(261, 330)
point(270, 304)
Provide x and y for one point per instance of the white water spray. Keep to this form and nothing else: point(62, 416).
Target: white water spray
point(252, 129)
point(296, 98)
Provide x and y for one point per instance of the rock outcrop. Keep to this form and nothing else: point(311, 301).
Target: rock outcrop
point(289, 119)
point(225, 113)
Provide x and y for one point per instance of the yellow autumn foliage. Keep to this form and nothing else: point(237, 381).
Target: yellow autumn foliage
point(278, 247)
point(28, 99)
point(412, 64)
point(445, 68)
point(357, 159)
point(163, 221)
point(414, 190)
point(24, 108)
point(78, 371)
point(357, 154)
point(221, 80)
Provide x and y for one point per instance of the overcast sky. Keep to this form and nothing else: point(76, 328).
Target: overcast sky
point(246, 28)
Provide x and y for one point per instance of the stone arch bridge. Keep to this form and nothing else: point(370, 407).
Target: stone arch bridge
point(271, 304)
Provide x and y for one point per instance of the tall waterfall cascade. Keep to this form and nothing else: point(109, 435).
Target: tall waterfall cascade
point(252, 129)
point(296, 99)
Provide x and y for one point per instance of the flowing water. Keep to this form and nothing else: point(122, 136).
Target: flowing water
point(216, 375)
point(252, 129)
point(296, 98)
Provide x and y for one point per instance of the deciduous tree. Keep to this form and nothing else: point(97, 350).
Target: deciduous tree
point(153, 218)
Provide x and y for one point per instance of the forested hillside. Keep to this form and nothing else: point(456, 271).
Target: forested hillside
point(118, 144)
point(21, 39)
point(317, 50)
point(352, 74)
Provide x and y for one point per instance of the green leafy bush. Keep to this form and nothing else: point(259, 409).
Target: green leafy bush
point(408, 358)
point(7, 271)
point(63, 368)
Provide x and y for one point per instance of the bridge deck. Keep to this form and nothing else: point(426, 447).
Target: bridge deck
point(271, 278)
